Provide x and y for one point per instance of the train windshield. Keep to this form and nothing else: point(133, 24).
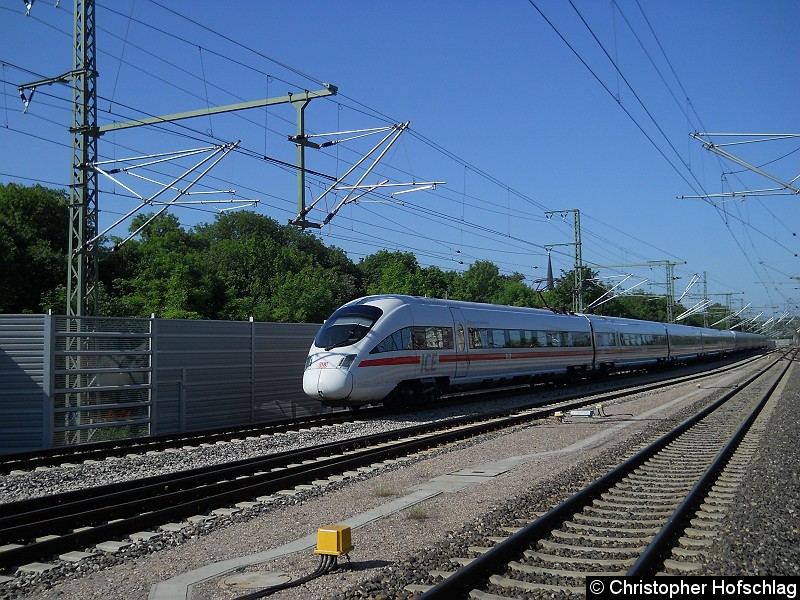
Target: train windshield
point(347, 326)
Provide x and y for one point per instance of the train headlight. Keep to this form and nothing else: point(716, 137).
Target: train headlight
point(347, 361)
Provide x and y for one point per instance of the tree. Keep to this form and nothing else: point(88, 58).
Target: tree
point(514, 292)
point(34, 234)
point(646, 307)
point(479, 283)
point(170, 273)
point(269, 271)
point(241, 265)
point(388, 272)
point(436, 283)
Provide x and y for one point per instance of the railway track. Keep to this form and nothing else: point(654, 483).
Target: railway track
point(651, 515)
point(28, 461)
point(40, 527)
point(36, 529)
point(53, 457)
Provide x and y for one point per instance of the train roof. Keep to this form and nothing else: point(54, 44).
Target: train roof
point(425, 300)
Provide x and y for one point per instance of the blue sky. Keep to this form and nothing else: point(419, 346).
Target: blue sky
point(520, 107)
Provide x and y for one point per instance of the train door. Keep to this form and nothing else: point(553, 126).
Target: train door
point(462, 352)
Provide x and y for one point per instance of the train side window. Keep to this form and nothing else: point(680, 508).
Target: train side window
point(498, 338)
point(515, 338)
point(580, 339)
point(554, 338)
point(432, 338)
point(440, 338)
point(478, 338)
point(399, 340)
point(607, 339)
point(447, 337)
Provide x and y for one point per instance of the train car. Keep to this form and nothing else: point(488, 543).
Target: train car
point(744, 340)
point(399, 348)
point(713, 342)
point(625, 343)
point(685, 342)
point(728, 339)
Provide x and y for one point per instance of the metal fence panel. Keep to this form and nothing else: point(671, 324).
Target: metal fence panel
point(203, 372)
point(281, 350)
point(25, 407)
point(72, 380)
point(101, 379)
point(212, 374)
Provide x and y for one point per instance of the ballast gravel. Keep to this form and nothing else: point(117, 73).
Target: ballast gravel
point(762, 534)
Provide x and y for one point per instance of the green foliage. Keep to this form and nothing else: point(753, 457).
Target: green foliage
point(275, 273)
point(562, 294)
point(514, 292)
point(168, 273)
point(398, 272)
point(244, 264)
point(33, 243)
point(646, 307)
point(479, 283)
point(391, 273)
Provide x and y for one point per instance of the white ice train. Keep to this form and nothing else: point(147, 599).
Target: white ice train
point(392, 347)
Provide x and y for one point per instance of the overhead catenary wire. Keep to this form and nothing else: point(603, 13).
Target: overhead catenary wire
point(511, 193)
point(638, 125)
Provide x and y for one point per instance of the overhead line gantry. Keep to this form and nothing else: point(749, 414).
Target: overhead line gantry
point(82, 273)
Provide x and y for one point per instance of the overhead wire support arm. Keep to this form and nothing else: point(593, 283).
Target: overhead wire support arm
point(670, 265)
point(156, 159)
point(65, 78)
point(304, 139)
point(329, 90)
point(701, 305)
point(599, 298)
point(622, 293)
point(733, 316)
point(400, 129)
point(222, 152)
point(745, 194)
point(389, 139)
point(716, 149)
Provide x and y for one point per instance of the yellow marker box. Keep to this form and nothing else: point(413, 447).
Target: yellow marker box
point(334, 540)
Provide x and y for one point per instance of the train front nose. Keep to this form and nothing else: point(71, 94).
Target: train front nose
point(324, 381)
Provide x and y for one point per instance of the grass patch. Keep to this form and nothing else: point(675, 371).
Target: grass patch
point(417, 513)
point(384, 491)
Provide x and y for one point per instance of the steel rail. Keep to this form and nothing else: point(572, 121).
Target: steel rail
point(203, 490)
point(460, 582)
point(173, 496)
point(28, 461)
point(650, 559)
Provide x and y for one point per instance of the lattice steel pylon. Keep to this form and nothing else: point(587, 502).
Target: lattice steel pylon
point(82, 260)
point(82, 275)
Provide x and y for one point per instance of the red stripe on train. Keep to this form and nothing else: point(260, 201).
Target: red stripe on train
point(397, 360)
point(450, 358)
